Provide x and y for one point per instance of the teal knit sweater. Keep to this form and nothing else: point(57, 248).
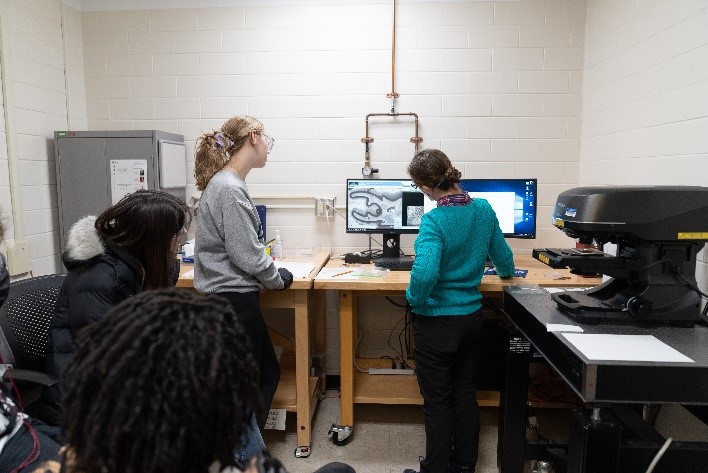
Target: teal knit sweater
point(451, 249)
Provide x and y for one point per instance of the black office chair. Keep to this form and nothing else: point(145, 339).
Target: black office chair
point(24, 331)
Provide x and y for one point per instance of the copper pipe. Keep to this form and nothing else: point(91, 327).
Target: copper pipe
point(393, 94)
point(415, 139)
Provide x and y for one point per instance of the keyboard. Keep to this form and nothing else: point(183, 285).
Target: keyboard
point(402, 263)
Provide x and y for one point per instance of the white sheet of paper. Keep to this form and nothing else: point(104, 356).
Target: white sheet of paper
point(188, 274)
point(298, 268)
point(563, 328)
point(562, 289)
point(127, 176)
point(625, 348)
point(276, 419)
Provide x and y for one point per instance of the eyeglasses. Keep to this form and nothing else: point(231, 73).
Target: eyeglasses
point(269, 141)
point(415, 186)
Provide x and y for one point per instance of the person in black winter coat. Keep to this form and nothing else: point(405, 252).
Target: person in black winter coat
point(130, 247)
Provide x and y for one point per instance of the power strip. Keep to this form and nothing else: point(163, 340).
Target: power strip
point(391, 371)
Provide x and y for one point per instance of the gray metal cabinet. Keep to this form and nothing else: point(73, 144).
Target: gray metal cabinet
point(96, 168)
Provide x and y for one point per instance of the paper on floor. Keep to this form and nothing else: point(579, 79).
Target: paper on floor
point(276, 419)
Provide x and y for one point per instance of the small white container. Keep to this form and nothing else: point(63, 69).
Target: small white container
point(276, 248)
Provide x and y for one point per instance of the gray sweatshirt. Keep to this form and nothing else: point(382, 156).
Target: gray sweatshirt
point(228, 257)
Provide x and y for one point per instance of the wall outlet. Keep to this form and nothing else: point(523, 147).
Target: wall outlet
point(18, 257)
point(324, 207)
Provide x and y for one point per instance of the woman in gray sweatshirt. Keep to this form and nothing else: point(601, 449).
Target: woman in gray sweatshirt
point(230, 258)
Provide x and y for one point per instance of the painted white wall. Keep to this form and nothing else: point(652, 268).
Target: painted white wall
point(645, 96)
point(5, 200)
point(497, 86)
point(43, 63)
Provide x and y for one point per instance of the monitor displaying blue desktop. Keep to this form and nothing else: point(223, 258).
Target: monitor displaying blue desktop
point(513, 200)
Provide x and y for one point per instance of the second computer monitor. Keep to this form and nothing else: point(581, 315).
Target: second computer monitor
point(513, 200)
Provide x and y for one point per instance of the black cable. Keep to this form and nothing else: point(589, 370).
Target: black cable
point(404, 306)
point(406, 337)
point(682, 279)
point(388, 340)
point(409, 334)
point(488, 302)
point(403, 343)
point(372, 238)
point(393, 362)
point(404, 331)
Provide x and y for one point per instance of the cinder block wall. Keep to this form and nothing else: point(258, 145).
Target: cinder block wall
point(645, 97)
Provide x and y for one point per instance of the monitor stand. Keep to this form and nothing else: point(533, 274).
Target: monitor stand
point(391, 256)
point(392, 250)
point(391, 245)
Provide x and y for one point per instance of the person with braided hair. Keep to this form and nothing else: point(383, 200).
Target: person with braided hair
point(451, 249)
point(165, 382)
point(129, 247)
point(229, 257)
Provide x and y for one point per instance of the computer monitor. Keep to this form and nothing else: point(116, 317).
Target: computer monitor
point(389, 207)
point(513, 200)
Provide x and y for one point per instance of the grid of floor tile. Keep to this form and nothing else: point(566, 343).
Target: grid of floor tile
point(386, 439)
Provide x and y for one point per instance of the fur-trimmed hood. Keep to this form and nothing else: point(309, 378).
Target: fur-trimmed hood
point(83, 242)
point(100, 276)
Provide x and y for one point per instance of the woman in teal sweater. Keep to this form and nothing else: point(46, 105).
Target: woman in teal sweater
point(451, 250)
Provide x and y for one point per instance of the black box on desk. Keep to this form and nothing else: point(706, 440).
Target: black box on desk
point(357, 258)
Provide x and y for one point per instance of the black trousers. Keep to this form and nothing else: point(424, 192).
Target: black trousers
point(42, 439)
point(446, 354)
point(248, 308)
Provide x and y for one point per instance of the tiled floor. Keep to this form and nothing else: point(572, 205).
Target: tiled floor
point(386, 439)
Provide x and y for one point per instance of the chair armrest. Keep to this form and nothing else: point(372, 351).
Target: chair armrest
point(29, 377)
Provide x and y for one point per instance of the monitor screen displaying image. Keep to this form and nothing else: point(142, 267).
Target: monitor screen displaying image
point(387, 206)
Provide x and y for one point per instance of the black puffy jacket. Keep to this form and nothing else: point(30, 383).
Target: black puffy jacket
point(100, 277)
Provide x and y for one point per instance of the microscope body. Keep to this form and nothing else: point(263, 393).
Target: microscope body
point(658, 232)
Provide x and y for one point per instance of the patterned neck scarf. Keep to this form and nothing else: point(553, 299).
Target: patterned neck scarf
point(454, 200)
